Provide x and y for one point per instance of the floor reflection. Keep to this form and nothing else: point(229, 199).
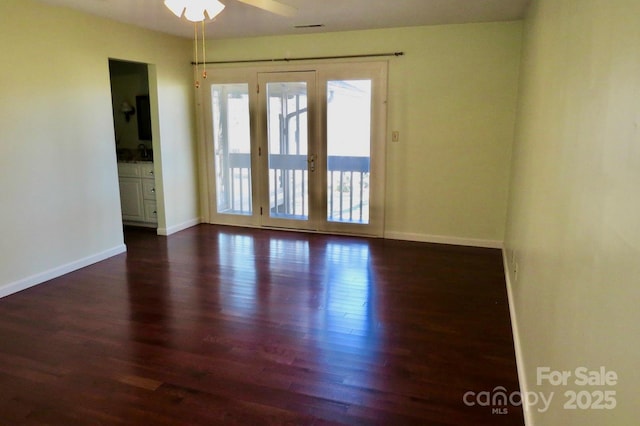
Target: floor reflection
point(238, 273)
point(313, 286)
point(217, 288)
point(349, 285)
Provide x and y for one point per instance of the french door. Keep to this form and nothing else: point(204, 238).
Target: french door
point(297, 149)
point(289, 143)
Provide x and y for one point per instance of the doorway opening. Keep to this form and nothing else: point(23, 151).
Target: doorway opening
point(134, 142)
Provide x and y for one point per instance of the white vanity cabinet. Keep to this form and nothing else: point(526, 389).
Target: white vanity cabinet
point(138, 194)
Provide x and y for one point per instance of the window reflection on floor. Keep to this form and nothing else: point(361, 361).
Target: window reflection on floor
point(332, 280)
point(349, 283)
point(237, 259)
point(288, 257)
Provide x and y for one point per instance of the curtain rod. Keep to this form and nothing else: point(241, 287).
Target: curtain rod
point(311, 58)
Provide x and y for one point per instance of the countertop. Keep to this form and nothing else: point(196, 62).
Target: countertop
point(126, 155)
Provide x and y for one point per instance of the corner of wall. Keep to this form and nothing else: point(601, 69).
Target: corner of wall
point(179, 227)
point(520, 363)
point(442, 239)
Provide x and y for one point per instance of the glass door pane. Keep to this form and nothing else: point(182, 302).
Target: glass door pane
point(232, 148)
point(348, 150)
point(287, 134)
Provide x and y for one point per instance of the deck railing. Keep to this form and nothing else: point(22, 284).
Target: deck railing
point(234, 185)
point(347, 184)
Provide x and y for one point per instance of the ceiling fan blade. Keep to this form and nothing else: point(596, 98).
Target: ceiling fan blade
point(272, 6)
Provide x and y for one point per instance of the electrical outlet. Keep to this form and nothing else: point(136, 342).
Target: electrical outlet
point(395, 136)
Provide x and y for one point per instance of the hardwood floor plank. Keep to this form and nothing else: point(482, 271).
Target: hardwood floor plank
point(221, 325)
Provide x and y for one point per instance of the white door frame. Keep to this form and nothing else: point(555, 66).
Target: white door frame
point(375, 70)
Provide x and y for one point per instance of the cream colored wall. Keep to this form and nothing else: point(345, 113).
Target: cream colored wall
point(574, 214)
point(453, 100)
point(58, 176)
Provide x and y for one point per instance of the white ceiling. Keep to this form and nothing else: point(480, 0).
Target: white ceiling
point(240, 20)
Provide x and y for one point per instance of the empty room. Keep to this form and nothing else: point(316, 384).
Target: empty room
point(303, 212)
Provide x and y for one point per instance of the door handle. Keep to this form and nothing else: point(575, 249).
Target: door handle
point(312, 162)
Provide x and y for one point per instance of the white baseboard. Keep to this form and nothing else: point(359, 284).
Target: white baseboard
point(58, 271)
point(522, 378)
point(180, 227)
point(439, 239)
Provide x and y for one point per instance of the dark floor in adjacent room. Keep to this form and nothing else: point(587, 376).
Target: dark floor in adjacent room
point(220, 325)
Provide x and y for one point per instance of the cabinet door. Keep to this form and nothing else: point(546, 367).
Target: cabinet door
point(149, 189)
point(131, 199)
point(150, 211)
point(128, 170)
point(146, 170)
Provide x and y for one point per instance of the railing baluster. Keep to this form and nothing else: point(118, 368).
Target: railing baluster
point(241, 190)
point(351, 198)
point(284, 179)
point(275, 190)
point(295, 192)
point(341, 191)
point(233, 189)
point(285, 191)
point(331, 194)
point(249, 192)
point(361, 194)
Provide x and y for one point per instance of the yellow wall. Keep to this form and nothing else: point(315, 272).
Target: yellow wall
point(574, 214)
point(59, 199)
point(451, 97)
point(453, 100)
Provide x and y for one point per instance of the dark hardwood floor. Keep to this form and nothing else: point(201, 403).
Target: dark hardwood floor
point(219, 325)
